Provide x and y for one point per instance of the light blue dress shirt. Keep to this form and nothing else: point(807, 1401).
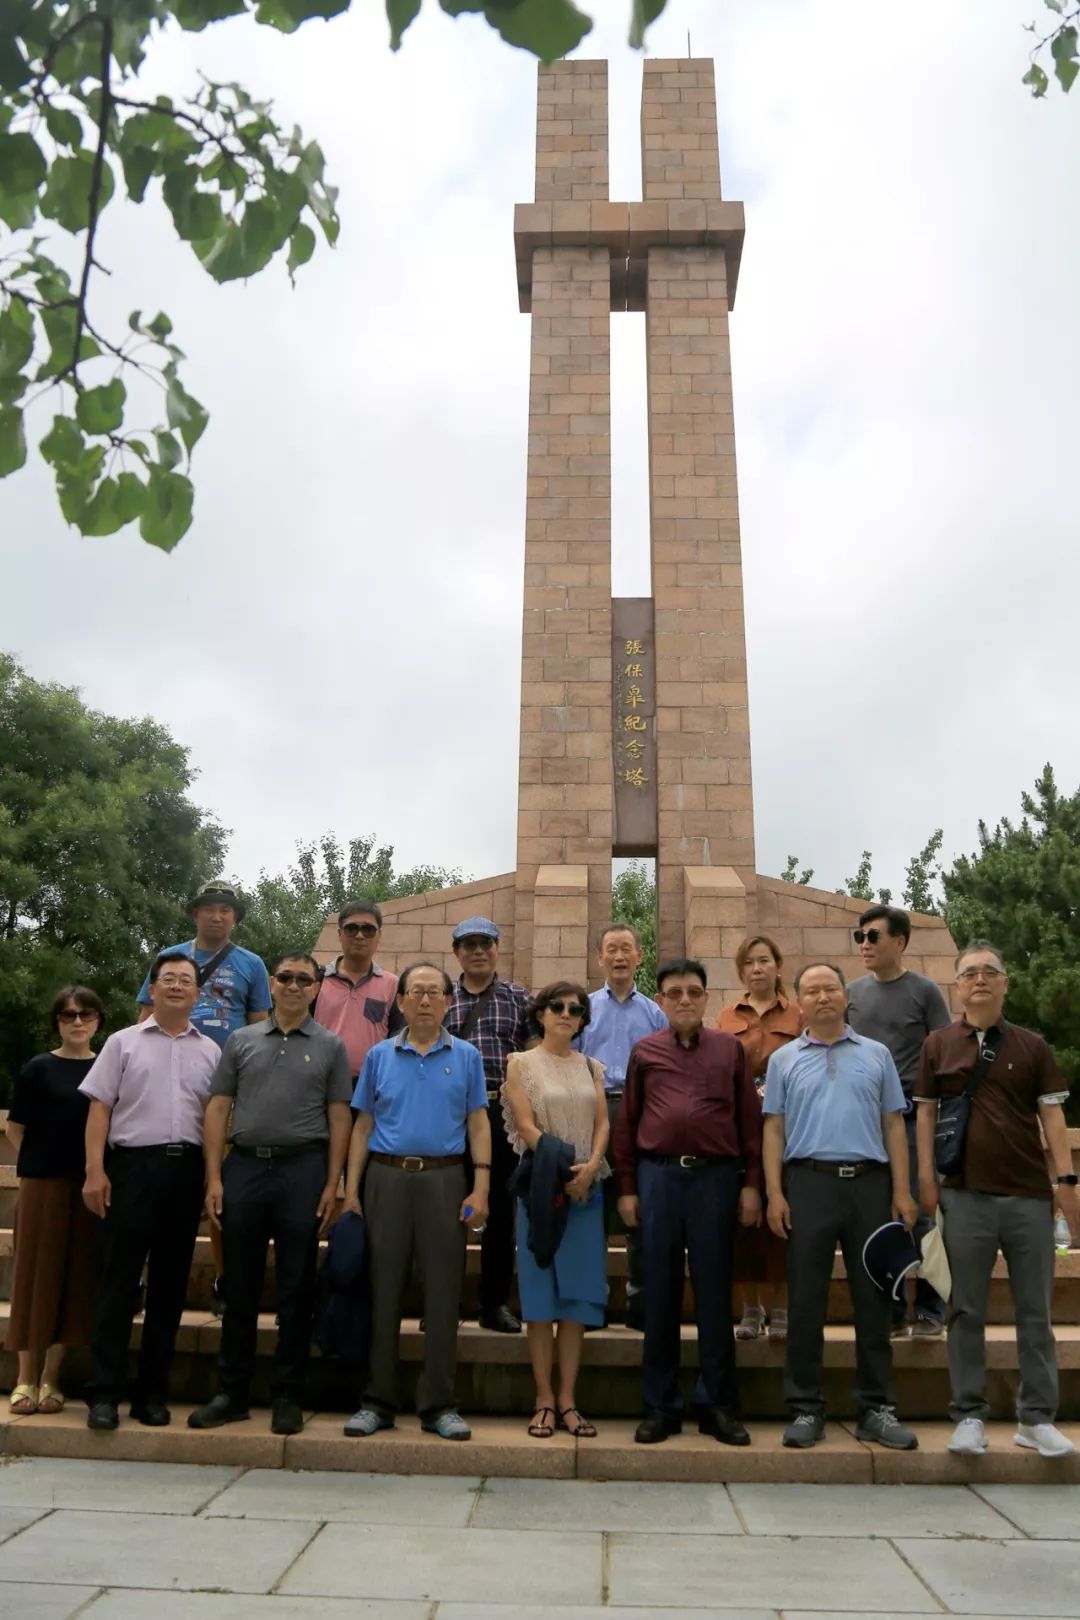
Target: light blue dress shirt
point(613, 1029)
point(832, 1097)
point(420, 1100)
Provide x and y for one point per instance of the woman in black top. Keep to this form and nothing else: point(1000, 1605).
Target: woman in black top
point(54, 1277)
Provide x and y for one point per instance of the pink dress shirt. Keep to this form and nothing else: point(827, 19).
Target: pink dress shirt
point(157, 1085)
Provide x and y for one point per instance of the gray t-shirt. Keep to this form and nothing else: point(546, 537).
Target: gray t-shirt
point(900, 1013)
point(282, 1083)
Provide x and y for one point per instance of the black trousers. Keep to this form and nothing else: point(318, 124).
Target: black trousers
point(613, 1222)
point(497, 1243)
point(152, 1221)
point(688, 1215)
point(264, 1201)
point(826, 1210)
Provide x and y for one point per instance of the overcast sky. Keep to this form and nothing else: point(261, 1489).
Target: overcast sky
point(337, 638)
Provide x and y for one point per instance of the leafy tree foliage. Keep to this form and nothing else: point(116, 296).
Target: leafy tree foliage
point(633, 901)
point(288, 911)
point(1058, 49)
point(1021, 888)
point(241, 190)
point(860, 886)
point(791, 873)
point(100, 845)
point(919, 878)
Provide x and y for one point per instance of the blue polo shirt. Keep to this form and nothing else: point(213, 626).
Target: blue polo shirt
point(832, 1097)
point(613, 1028)
point(420, 1100)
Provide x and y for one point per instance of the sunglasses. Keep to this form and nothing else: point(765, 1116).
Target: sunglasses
point(870, 935)
point(303, 981)
point(74, 1015)
point(574, 1008)
point(365, 930)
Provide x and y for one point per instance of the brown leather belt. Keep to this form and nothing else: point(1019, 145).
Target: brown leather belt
point(417, 1161)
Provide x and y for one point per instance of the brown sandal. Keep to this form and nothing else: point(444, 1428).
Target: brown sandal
point(540, 1428)
point(582, 1429)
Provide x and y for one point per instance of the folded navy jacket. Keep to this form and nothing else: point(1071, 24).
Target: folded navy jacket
point(540, 1182)
point(343, 1294)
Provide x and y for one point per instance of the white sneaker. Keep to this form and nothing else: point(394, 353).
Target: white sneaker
point(1043, 1438)
point(968, 1439)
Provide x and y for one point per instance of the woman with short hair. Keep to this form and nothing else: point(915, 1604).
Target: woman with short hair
point(57, 1239)
point(555, 1092)
point(762, 1019)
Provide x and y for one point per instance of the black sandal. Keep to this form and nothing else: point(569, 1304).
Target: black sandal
point(540, 1428)
point(582, 1430)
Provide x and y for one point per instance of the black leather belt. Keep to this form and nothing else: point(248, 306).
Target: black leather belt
point(170, 1150)
point(418, 1161)
point(279, 1152)
point(845, 1169)
point(689, 1161)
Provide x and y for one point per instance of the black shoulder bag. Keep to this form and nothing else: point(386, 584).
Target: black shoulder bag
point(208, 969)
point(472, 1017)
point(950, 1131)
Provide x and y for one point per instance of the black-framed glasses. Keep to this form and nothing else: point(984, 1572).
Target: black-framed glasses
point(574, 1008)
point(869, 936)
point(303, 981)
point(365, 930)
point(477, 942)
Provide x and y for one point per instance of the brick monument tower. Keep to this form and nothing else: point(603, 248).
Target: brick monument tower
point(635, 730)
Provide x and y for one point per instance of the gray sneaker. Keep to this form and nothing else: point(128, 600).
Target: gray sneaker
point(806, 1430)
point(367, 1421)
point(882, 1424)
point(448, 1425)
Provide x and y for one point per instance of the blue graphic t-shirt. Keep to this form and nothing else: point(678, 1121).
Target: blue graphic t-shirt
point(237, 987)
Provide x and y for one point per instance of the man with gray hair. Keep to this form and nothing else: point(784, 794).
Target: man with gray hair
point(1000, 1196)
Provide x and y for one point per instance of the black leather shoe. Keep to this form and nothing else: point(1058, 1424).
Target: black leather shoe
point(656, 1426)
point(724, 1426)
point(500, 1320)
point(103, 1415)
point(286, 1417)
point(222, 1409)
point(152, 1414)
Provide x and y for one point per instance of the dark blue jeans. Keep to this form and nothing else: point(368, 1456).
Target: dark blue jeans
point(688, 1214)
point(928, 1302)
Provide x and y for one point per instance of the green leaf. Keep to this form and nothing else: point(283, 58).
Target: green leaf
point(399, 14)
point(63, 445)
point(16, 337)
point(101, 410)
point(166, 514)
point(64, 127)
point(59, 327)
point(301, 247)
point(1063, 49)
point(548, 28)
point(98, 513)
point(22, 165)
point(12, 440)
point(196, 214)
point(287, 15)
point(184, 413)
point(14, 68)
point(170, 454)
point(1055, 5)
point(66, 197)
point(12, 389)
point(642, 13)
point(140, 165)
point(1037, 79)
point(194, 15)
point(130, 496)
point(160, 326)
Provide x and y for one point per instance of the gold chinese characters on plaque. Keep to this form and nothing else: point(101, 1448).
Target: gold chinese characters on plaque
point(634, 725)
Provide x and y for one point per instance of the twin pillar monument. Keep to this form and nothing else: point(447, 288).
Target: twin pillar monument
point(635, 733)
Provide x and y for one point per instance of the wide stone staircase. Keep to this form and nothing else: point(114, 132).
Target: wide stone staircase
point(495, 1389)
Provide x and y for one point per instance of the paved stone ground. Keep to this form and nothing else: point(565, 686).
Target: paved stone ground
point(169, 1541)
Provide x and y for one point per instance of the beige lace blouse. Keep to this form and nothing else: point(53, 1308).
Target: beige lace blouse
point(562, 1092)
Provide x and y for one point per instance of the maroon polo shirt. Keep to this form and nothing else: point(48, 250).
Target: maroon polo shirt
point(698, 1099)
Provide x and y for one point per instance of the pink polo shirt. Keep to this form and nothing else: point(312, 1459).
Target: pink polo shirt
point(157, 1084)
point(358, 1012)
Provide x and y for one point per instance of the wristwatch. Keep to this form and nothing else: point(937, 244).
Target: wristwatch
point(1066, 1181)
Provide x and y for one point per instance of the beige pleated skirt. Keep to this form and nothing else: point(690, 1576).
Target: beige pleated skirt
point(56, 1265)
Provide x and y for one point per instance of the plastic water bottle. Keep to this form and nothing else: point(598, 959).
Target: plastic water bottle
point(1062, 1235)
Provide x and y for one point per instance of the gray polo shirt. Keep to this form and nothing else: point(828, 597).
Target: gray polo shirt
point(282, 1083)
point(900, 1013)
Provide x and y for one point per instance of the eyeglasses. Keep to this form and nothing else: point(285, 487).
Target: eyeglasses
point(170, 981)
point(477, 942)
point(423, 992)
point(869, 935)
point(303, 981)
point(692, 992)
point(75, 1015)
point(969, 975)
point(365, 930)
point(574, 1008)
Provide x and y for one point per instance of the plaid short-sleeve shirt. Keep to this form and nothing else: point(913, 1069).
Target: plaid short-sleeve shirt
point(501, 1028)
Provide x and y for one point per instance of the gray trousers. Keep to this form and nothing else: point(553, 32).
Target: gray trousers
point(976, 1226)
point(414, 1215)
